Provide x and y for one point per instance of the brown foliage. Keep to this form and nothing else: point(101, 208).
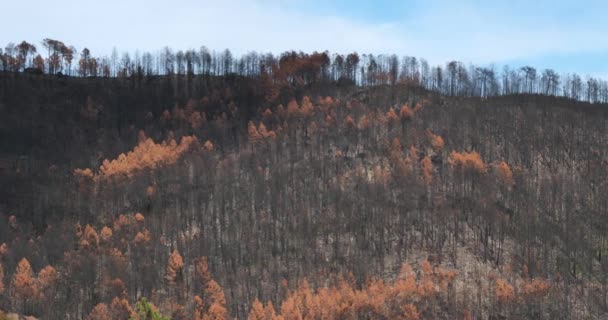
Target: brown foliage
point(536, 288)
point(208, 145)
point(23, 280)
point(406, 113)
point(505, 174)
point(349, 122)
point(253, 134)
point(146, 155)
point(503, 291)
point(364, 123)
point(47, 277)
point(377, 299)
point(391, 116)
point(139, 217)
point(202, 269)
point(121, 309)
point(427, 170)
point(467, 160)
point(174, 267)
point(257, 311)
point(436, 141)
point(100, 312)
point(105, 234)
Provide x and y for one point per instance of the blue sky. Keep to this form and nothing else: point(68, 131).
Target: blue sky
point(569, 36)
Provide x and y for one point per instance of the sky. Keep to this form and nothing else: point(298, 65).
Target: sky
point(569, 36)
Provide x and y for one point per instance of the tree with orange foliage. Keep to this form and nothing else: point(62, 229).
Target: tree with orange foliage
point(217, 309)
point(410, 312)
point(264, 132)
point(467, 161)
point(257, 311)
point(269, 311)
point(199, 308)
point(503, 291)
point(290, 309)
point(364, 123)
point(349, 122)
point(391, 116)
point(146, 155)
point(90, 237)
point(121, 309)
point(47, 277)
point(139, 217)
point(406, 113)
point(505, 174)
point(436, 141)
point(293, 109)
point(427, 170)
point(252, 132)
point(202, 270)
point(535, 289)
point(208, 145)
point(306, 107)
point(174, 267)
point(106, 234)
point(23, 281)
point(100, 312)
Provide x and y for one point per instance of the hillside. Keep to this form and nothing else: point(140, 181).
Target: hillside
point(231, 196)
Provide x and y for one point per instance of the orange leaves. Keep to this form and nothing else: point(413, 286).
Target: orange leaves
point(47, 277)
point(253, 134)
point(174, 267)
point(436, 141)
point(105, 234)
point(215, 292)
point(427, 170)
point(139, 217)
point(349, 122)
point(503, 291)
point(84, 173)
point(505, 174)
point(90, 237)
point(100, 312)
point(202, 269)
point(364, 123)
point(208, 145)
point(146, 155)
point(23, 280)
point(536, 288)
point(121, 309)
point(467, 161)
point(406, 113)
point(257, 311)
point(305, 110)
point(391, 116)
point(256, 135)
point(377, 299)
point(199, 308)
point(410, 312)
point(217, 310)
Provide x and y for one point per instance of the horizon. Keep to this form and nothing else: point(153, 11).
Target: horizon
point(544, 35)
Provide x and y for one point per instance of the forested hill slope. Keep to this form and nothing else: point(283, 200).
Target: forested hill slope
point(235, 197)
